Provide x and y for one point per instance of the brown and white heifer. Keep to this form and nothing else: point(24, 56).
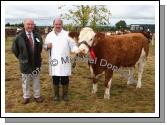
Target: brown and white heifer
point(114, 51)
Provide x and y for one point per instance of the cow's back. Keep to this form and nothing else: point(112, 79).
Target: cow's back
point(122, 50)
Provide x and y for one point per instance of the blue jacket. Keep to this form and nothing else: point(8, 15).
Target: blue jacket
point(21, 48)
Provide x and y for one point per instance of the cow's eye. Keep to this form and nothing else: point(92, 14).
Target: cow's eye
point(91, 39)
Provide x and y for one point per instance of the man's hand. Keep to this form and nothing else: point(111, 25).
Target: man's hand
point(77, 51)
point(49, 45)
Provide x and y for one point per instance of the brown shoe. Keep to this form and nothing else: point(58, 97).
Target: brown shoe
point(26, 100)
point(39, 99)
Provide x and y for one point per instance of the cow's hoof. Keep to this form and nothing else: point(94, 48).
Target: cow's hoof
point(94, 92)
point(138, 86)
point(129, 82)
point(106, 96)
point(94, 89)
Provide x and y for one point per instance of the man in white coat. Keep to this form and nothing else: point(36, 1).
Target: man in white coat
point(59, 46)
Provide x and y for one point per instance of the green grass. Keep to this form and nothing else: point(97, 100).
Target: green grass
point(124, 98)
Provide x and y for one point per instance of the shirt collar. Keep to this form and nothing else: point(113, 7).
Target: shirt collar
point(27, 33)
point(59, 32)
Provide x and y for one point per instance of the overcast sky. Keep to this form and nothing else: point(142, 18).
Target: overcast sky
point(44, 14)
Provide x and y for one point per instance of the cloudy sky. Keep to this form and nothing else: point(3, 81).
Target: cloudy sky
point(44, 14)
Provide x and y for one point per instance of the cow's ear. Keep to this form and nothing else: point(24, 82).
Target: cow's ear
point(99, 36)
point(73, 34)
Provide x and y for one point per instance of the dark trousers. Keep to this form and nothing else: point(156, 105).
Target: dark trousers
point(63, 79)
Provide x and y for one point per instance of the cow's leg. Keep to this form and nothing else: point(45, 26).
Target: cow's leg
point(152, 42)
point(153, 39)
point(141, 63)
point(94, 89)
point(140, 72)
point(131, 72)
point(108, 80)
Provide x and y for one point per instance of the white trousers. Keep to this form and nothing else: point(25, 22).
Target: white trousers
point(26, 86)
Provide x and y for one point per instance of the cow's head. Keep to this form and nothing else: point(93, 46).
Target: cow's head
point(86, 38)
point(148, 35)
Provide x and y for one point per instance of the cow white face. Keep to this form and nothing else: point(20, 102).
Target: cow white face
point(86, 37)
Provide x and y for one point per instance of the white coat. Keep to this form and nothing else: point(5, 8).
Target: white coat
point(59, 54)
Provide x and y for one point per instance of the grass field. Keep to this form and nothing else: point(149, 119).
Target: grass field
point(124, 98)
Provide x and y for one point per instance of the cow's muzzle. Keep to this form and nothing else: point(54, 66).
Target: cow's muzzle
point(85, 43)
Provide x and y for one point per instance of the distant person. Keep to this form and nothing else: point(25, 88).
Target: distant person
point(18, 30)
point(27, 47)
point(36, 29)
